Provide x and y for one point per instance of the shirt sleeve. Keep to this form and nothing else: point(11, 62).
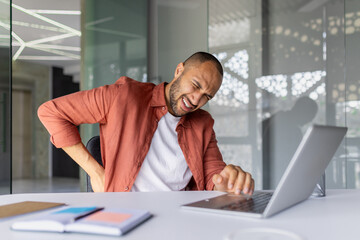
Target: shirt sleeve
point(62, 115)
point(213, 162)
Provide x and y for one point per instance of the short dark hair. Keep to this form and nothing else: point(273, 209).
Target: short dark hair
point(204, 57)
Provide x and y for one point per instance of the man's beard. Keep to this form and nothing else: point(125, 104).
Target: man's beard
point(174, 92)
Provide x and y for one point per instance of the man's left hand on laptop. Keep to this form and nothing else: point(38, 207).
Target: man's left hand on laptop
point(233, 179)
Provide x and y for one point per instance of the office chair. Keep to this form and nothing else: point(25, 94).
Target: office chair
point(93, 146)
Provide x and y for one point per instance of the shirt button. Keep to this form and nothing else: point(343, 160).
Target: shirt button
point(163, 108)
point(126, 188)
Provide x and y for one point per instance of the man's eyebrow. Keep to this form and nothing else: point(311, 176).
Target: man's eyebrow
point(197, 83)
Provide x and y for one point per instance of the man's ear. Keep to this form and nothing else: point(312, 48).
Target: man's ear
point(179, 69)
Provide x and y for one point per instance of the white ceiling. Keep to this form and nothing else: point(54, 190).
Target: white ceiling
point(50, 39)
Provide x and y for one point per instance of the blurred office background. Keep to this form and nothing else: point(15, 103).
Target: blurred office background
point(288, 65)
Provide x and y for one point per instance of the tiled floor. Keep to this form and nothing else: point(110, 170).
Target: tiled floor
point(46, 185)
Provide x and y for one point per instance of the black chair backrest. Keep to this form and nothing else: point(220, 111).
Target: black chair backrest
point(93, 146)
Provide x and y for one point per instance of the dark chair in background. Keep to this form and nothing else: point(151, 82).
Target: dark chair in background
point(93, 146)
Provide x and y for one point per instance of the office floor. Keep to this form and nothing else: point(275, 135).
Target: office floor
point(54, 185)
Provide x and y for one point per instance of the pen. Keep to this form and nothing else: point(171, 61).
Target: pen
point(87, 214)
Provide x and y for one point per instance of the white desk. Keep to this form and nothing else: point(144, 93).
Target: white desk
point(337, 216)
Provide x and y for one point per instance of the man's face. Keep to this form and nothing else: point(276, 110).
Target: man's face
point(192, 88)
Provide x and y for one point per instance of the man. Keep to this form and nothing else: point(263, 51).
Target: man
point(153, 138)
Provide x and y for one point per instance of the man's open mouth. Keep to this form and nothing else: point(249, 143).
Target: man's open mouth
point(187, 104)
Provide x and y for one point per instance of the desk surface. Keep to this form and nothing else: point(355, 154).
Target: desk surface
point(336, 216)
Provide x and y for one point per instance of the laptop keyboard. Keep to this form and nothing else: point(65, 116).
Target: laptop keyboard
point(255, 204)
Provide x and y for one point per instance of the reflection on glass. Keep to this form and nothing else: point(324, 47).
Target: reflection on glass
point(281, 135)
point(282, 52)
point(115, 45)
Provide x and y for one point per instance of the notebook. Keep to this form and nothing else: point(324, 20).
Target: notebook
point(20, 208)
point(91, 220)
point(309, 162)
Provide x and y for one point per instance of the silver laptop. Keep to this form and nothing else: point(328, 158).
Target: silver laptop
point(309, 162)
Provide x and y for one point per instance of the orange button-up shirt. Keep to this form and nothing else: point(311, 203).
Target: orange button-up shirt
point(128, 113)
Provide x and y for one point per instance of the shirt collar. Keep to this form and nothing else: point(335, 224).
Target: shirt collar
point(158, 96)
point(185, 121)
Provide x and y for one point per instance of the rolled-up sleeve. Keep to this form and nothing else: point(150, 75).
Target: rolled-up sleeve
point(213, 162)
point(62, 115)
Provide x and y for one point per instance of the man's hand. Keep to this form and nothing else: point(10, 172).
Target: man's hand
point(81, 156)
point(233, 179)
point(98, 182)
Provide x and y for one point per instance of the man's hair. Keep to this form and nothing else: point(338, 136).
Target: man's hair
point(201, 57)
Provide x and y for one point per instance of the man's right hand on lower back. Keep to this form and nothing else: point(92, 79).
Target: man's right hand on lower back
point(98, 182)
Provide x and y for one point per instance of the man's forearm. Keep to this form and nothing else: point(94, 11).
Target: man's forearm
point(81, 156)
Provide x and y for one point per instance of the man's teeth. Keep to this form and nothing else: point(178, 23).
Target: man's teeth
point(186, 103)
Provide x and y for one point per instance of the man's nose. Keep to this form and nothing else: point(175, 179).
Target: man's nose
point(195, 98)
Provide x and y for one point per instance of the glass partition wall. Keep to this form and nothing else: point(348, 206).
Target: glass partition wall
point(350, 164)
point(5, 97)
point(288, 65)
point(114, 44)
point(45, 46)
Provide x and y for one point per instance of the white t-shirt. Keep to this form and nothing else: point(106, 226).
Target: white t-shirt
point(164, 167)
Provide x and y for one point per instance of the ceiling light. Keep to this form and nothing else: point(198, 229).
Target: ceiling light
point(48, 20)
point(124, 34)
point(99, 21)
point(50, 46)
point(59, 12)
point(22, 45)
point(19, 51)
point(48, 39)
point(70, 55)
point(38, 43)
point(38, 26)
point(4, 25)
point(45, 58)
point(21, 42)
